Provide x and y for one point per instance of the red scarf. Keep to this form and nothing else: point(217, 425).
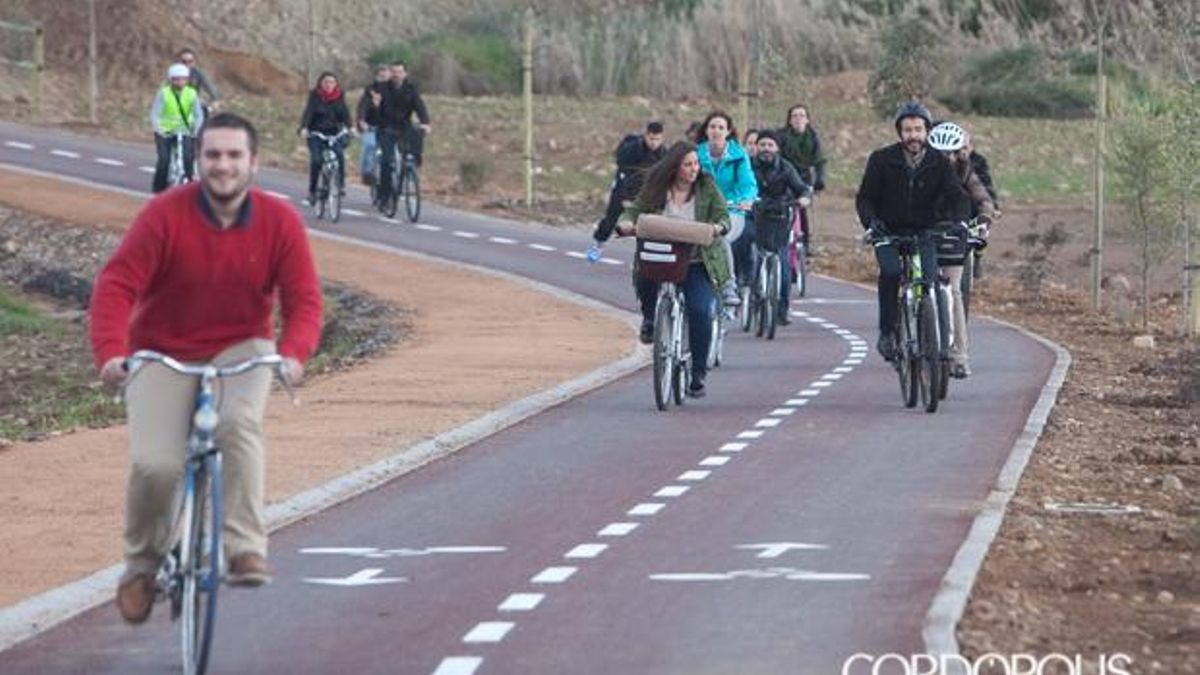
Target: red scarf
point(329, 96)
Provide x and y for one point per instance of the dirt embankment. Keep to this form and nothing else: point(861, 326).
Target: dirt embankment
point(477, 343)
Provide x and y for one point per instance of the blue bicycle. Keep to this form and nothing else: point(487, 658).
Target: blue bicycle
point(191, 574)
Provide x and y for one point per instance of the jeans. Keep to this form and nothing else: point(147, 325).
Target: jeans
point(889, 278)
point(315, 148)
point(743, 253)
point(366, 163)
point(162, 146)
point(387, 139)
point(700, 301)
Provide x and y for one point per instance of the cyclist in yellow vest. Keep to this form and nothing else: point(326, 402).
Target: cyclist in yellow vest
point(176, 110)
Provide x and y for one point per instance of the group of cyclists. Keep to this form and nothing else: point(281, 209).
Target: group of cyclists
point(144, 297)
point(930, 183)
point(383, 118)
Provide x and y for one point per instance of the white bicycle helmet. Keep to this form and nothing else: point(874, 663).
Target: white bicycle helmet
point(947, 137)
point(178, 70)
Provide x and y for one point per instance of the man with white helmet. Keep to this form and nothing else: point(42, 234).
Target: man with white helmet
point(905, 190)
point(975, 202)
point(176, 110)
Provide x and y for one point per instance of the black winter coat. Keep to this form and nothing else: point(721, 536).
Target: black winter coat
point(326, 118)
point(398, 105)
point(367, 112)
point(633, 158)
point(907, 200)
point(779, 181)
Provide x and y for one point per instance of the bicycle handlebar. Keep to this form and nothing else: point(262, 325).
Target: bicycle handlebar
point(330, 139)
point(275, 361)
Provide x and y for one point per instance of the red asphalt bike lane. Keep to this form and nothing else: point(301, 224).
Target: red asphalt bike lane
point(795, 516)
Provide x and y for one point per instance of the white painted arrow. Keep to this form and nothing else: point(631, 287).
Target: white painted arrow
point(365, 577)
point(776, 549)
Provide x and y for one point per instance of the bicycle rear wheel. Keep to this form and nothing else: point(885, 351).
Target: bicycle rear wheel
point(683, 360)
point(664, 354)
point(714, 343)
point(201, 563)
point(967, 277)
point(800, 274)
point(410, 186)
point(745, 309)
point(928, 355)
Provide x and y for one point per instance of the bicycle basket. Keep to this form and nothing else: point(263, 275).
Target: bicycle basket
point(772, 224)
point(663, 260)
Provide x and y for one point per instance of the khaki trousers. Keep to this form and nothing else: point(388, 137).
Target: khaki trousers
point(159, 404)
point(958, 314)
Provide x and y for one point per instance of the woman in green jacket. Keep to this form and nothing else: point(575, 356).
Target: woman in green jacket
point(800, 144)
point(676, 187)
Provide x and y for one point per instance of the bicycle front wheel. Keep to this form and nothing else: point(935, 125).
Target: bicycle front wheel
point(745, 309)
point(904, 361)
point(201, 563)
point(771, 303)
point(800, 274)
point(714, 343)
point(929, 357)
point(410, 186)
point(664, 352)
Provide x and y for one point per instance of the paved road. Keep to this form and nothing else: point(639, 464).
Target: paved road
point(796, 516)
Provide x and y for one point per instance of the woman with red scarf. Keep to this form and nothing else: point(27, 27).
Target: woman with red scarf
point(326, 113)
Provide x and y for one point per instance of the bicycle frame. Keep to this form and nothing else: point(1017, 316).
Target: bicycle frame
point(191, 573)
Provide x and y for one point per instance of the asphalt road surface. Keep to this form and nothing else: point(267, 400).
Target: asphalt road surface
point(797, 515)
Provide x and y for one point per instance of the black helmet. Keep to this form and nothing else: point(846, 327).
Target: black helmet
point(913, 108)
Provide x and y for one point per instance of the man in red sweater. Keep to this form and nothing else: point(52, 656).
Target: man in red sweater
point(196, 277)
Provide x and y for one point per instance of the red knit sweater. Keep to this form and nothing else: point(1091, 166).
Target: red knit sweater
point(180, 285)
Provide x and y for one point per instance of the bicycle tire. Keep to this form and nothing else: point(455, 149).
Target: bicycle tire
point(201, 567)
point(681, 362)
point(945, 307)
point(929, 356)
point(664, 370)
point(904, 362)
point(175, 172)
point(967, 278)
point(334, 201)
point(714, 341)
point(411, 188)
point(745, 309)
point(800, 274)
point(772, 299)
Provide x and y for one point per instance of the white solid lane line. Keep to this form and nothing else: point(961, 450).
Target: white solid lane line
point(19, 145)
point(65, 153)
point(489, 631)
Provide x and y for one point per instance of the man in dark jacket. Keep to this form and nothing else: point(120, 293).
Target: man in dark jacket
point(366, 118)
point(780, 186)
point(906, 189)
point(397, 103)
point(634, 155)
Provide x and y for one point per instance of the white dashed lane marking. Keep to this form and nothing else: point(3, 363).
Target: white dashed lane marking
point(353, 212)
point(19, 145)
point(733, 447)
point(586, 551)
point(465, 235)
point(542, 247)
point(488, 631)
point(617, 529)
point(521, 602)
point(108, 162)
point(147, 169)
point(553, 575)
point(428, 228)
point(65, 153)
point(502, 240)
point(647, 509)
point(672, 491)
point(750, 434)
point(715, 460)
point(459, 665)
point(694, 475)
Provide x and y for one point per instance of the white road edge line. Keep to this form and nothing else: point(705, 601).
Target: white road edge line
point(948, 604)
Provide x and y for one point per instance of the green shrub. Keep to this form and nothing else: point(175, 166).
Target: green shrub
point(490, 56)
point(391, 53)
point(472, 174)
point(910, 60)
point(1054, 99)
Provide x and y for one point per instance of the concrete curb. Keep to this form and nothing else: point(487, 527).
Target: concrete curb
point(941, 621)
point(40, 613)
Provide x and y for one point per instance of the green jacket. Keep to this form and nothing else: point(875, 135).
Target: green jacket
point(804, 152)
point(710, 208)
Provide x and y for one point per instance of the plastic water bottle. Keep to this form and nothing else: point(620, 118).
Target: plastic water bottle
point(593, 253)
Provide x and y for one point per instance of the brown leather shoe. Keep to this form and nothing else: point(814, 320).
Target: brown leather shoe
point(248, 569)
point(135, 597)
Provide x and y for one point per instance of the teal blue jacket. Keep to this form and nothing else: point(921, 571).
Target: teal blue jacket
point(733, 173)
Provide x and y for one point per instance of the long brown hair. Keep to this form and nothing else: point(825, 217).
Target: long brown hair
point(702, 132)
point(661, 176)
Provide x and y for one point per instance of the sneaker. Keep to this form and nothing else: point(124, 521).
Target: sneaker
point(593, 253)
point(248, 569)
point(785, 316)
point(135, 597)
point(887, 346)
point(312, 199)
point(729, 295)
point(696, 387)
point(960, 371)
point(646, 334)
